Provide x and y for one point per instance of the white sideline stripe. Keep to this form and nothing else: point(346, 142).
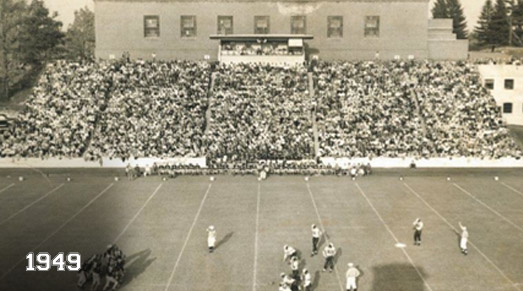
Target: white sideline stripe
point(489, 208)
point(326, 238)
point(513, 189)
point(469, 241)
point(393, 236)
point(137, 213)
point(254, 279)
point(187, 238)
point(31, 204)
point(58, 229)
point(7, 187)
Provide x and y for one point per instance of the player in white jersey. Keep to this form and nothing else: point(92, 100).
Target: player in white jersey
point(295, 267)
point(418, 227)
point(464, 239)
point(329, 252)
point(306, 278)
point(286, 279)
point(351, 275)
point(289, 252)
point(316, 234)
point(211, 238)
point(284, 287)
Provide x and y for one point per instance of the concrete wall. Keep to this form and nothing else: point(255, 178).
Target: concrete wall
point(499, 73)
point(442, 42)
point(403, 27)
point(448, 49)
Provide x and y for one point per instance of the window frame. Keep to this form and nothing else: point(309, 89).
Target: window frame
point(184, 29)
point(506, 106)
point(505, 84)
point(147, 29)
point(490, 81)
point(331, 29)
point(268, 28)
point(218, 28)
point(304, 20)
point(367, 30)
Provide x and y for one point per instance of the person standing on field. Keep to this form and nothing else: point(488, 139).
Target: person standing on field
point(418, 227)
point(328, 253)
point(306, 278)
point(211, 238)
point(464, 239)
point(352, 274)
point(316, 235)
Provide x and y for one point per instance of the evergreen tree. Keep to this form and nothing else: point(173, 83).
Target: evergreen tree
point(41, 33)
point(80, 36)
point(440, 9)
point(499, 24)
point(483, 31)
point(11, 15)
point(459, 23)
point(517, 21)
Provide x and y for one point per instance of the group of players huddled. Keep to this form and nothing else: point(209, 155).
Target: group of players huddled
point(296, 281)
point(110, 264)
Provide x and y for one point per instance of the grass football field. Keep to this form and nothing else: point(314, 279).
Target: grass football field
point(161, 227)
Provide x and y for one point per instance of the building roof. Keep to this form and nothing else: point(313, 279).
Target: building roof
point(275, 1)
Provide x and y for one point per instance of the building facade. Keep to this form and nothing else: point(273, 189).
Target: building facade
point(341, 29)
point(505, 82)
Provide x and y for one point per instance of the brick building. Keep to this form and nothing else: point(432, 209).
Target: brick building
point(340, 29)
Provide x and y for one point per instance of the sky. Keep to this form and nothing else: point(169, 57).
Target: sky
point(66, 8)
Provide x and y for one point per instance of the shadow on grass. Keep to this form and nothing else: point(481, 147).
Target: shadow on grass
point(316, 280)
point(397, 277)
point(339, 252)
point(136, 265)
point(225, 239)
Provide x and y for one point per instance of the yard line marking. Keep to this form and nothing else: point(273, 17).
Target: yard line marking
point(7, 187)
point(137, 213)
point(469, 241)
point(393, 236)
point(254, 279)
point(59, 229)
point(326, 238)
point(187, 238)
point(513, 189)
point(31, 204)
point(489, 208)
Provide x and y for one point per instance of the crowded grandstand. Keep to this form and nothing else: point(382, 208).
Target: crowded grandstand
point(244, 113)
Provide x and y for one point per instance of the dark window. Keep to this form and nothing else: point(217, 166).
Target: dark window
point(262, 24)
point(489, 84)
point(225, 25)
point(298, 25)
point(335, 26)
point(188, 26)
point(507, 107)
point(509, 84)
point(372, 26)
point(151, 26)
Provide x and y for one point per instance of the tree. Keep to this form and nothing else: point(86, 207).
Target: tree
point(440, 9)
point(40, 34)
point(80, 36)
point(517, 20)
point(11, 17)
point(483, 30)
point(459, 23)
point(499, 24)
